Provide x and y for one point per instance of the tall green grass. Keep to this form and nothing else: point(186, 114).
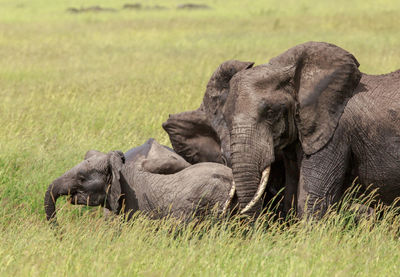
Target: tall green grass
point(74, 82)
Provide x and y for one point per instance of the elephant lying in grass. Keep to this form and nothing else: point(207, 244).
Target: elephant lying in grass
point(150, 178)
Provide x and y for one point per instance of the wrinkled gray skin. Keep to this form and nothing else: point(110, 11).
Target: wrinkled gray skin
point(331, 122)
point(202, 135)
point(150, 178)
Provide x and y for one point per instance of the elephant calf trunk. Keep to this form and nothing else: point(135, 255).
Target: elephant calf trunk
point(50, 200)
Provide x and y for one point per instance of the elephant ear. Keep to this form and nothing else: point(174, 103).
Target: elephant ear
point(116, 160)
point(92, 153)
point(324, 77)
point(218, 85)
point(215, 97)
point(162, 160)
point(193, 138)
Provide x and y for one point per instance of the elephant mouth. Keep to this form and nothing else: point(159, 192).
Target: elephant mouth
point(79, 199)
point(75, 199)
point(86, 200)
point(260, 190)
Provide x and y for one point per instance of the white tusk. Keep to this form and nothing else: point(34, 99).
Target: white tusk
point(260, 190)
point(229, 200)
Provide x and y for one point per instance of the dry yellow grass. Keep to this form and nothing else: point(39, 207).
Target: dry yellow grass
point(107, 80)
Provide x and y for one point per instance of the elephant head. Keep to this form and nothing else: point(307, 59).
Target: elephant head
point(202, 135)
point(93, 182)
point(298, 97)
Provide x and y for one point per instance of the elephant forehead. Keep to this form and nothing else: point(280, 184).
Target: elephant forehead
point(94, 163)
point(250, 85)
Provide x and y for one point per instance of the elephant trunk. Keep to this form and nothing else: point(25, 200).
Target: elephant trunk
point(252, 155)
point(54, 191)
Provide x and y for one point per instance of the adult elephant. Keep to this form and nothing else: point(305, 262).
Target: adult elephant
point(150, 178)
point(313, 99)
point(202, 135)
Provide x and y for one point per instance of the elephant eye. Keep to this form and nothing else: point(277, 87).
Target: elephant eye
point(271, 114)
point(195, 158)
point(81, 176)
point(268, 111)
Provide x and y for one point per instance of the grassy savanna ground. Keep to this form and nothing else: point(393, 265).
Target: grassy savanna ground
point(106, 81)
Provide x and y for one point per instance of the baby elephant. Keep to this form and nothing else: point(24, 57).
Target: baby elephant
point(150, 178)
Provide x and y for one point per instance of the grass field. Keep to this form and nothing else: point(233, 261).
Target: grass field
point(107, 80)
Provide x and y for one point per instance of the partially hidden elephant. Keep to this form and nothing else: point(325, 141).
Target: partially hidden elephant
point(190, 131)
point(150, 178)
point(330, 122)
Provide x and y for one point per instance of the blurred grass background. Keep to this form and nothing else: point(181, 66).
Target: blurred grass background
point(107, 80)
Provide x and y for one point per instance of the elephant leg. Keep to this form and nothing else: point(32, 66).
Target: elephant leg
point(322, 175)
